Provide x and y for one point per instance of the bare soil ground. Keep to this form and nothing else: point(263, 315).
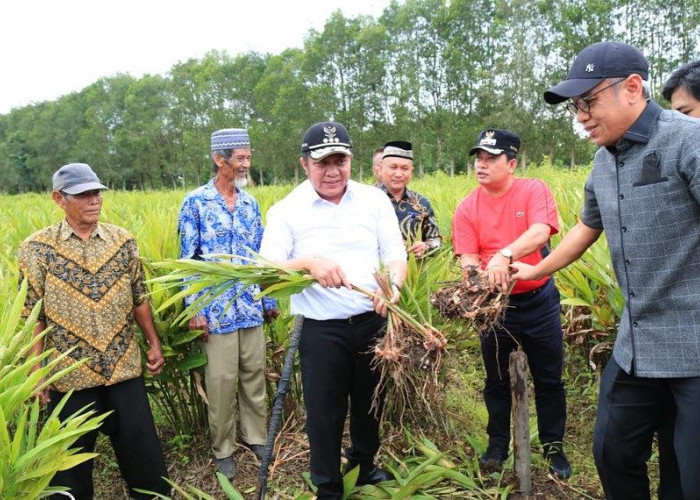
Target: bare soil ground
point(191, 464)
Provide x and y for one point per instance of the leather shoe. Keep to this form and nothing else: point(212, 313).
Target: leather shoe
point(373, 476)
point(226, 466)
point(493, 458)
point(558, 463)
point(258, 449)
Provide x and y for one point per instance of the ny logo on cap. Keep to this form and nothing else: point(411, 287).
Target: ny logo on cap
point(590, 68)
point(330, 134)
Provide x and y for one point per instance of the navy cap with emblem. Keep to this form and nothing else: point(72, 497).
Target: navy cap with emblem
point(496, 142)
point(594, 64)
point(326, 138)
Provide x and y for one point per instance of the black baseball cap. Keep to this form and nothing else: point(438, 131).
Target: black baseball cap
point(594, 64)
point(326, 138)
point(496, 142)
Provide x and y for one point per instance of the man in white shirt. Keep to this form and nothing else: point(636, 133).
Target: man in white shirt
point(339, 231)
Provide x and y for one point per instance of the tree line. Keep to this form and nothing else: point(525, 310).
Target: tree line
point(434, 72)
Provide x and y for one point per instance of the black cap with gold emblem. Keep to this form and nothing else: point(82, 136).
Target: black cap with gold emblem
point(497, 142)
point(326, 138)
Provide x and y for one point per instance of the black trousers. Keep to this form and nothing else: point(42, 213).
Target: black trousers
point(630, 410)
point(131, 431)
point(336, 360)
point(533, 319)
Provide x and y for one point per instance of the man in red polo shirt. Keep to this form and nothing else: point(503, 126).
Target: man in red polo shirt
point(506, 219)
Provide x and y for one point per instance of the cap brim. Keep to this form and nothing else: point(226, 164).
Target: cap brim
point(321, 153)
point(493, 151)
point(81, 188)
point(570, 88)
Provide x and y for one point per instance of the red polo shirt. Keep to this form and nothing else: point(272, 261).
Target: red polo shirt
point(484, 224)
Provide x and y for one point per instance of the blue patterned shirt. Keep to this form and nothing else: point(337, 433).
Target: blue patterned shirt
point(207, 227)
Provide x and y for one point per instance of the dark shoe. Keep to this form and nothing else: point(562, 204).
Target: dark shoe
point(373, 476)
point(258, 449)
point(558, 463)
point(493, 458)
point(226, 466)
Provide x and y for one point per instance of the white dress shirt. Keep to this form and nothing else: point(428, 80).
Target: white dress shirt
point(357, 233)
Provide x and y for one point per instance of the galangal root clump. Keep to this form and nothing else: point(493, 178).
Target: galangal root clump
point(408, 359)
point(409, 363)
point(473, 299)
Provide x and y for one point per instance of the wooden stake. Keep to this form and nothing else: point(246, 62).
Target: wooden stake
point(521, 424)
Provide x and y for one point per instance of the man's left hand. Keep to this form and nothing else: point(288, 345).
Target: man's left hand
point(498, 271)
point(271, 314)
point(155, 361)
point(419, 248)
point(380, 302)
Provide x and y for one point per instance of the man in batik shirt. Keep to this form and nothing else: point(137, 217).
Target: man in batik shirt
point(415, 214)
point(221, 218)
point(90, 280)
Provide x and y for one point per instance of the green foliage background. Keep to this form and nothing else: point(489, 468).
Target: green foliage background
point(434, 72)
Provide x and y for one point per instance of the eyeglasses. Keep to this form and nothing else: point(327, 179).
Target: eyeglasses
point(584, 103)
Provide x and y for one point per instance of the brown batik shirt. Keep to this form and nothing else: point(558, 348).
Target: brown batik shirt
point(89, 291)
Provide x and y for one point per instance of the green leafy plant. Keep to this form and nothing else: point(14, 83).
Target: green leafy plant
point(177, 391)
point(192, 493)
point(32, 451)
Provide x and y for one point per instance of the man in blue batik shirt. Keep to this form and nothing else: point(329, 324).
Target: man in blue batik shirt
point(222, 218)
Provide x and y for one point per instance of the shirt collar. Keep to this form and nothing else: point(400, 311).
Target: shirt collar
point(314, 197)
point(406, 192)
point(211, 193)
point(642, 128)
point(65, 231)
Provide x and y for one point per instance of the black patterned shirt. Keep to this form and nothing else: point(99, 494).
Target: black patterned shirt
point(89, 291)
point(416, 218)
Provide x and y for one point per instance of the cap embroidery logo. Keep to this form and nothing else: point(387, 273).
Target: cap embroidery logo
point(330, 135)
point(488, 138)
point(590, 68)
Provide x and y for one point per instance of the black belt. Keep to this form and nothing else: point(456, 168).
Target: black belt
point(358, 318)
point(531, 293)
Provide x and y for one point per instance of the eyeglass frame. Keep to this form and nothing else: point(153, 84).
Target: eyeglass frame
point(574, 105)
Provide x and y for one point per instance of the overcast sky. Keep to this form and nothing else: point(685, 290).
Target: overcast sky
point(49, 48)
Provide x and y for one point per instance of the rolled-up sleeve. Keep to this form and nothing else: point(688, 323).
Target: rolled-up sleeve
point(590, 214)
